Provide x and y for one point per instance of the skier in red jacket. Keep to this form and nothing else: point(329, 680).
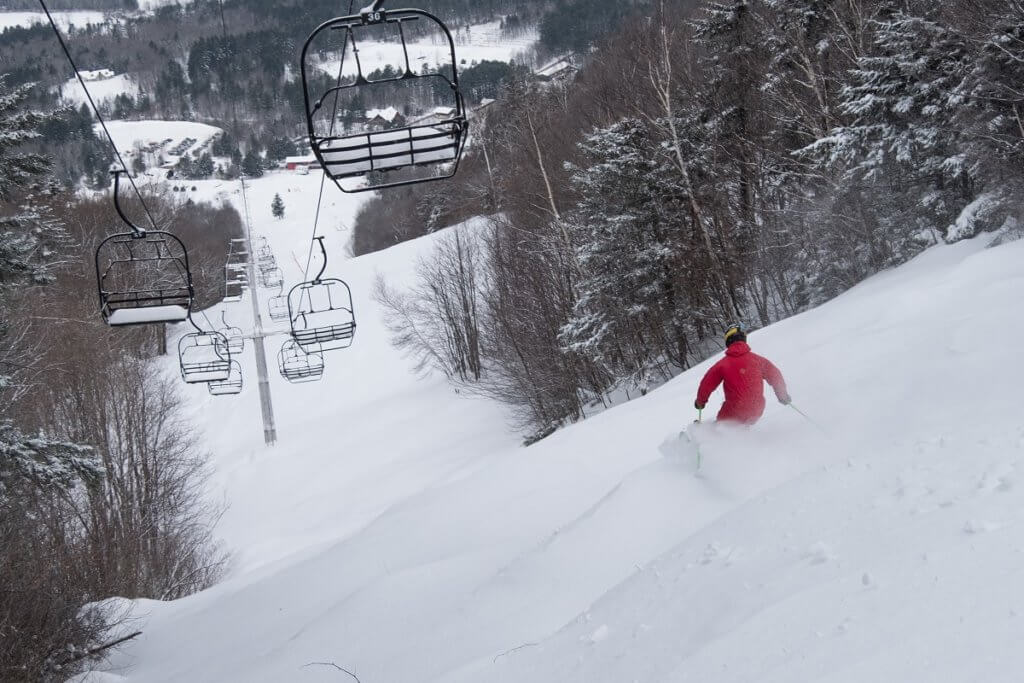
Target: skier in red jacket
point(742, 371)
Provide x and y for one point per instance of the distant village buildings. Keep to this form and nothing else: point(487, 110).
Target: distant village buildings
point(302, 164)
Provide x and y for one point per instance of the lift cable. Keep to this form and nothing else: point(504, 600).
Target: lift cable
point(96, 111)
point(323, 170)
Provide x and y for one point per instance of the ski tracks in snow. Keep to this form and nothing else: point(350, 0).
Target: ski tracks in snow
point(788, 596)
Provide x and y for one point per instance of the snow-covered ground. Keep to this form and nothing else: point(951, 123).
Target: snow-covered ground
point(473, 43)
point(151, 5)
point(398, 529)
point(102, 90)
point(79, 18)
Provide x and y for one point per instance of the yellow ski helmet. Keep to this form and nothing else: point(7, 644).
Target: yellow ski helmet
point(735, 333)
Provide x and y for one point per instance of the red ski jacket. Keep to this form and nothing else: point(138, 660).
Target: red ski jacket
point(742, 371)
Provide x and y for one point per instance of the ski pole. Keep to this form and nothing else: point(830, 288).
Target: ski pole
point(696, 446)
point(806, 417)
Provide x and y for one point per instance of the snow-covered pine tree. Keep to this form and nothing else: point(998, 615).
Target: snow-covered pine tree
point(43, 464)
point(277, 206)
point(628, 316)
point(993, 124)
point(903, 96)
point(252, 164)
point(28, 236)
point(800, 36)
point(203, 166)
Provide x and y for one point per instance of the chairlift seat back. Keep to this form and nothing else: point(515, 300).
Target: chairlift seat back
point(204, 357)
point(278, 307)
point(297, 365)
point(230, 386)
point(321, 314)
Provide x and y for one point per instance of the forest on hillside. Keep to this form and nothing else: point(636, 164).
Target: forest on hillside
point(736, 160)
point(235, 64)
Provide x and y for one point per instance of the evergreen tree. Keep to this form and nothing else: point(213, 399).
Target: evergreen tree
point(252, 164)
point(277, 207)
point(42, 464)
point(627, 315)
point(901, 96)
point(993, 128)
point(224, 145)
point(280, 147)
point(185, 167)
point(23, 260)
point(27, 235)
point(202, 167)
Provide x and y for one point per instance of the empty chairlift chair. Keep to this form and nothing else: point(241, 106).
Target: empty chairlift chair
point(204, 357)
point(272, 278)
point(143, 275)
point(298, 365)
point(321, 312)
point(265, 259)
point(234, 284)
point(278, 307)
point(233, 335)
point(236, 278)
point(230, 386)
point(403, 62)
point(240, 247)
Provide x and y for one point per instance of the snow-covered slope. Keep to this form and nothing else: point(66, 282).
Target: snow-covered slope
point(399, 531)
point(102, 90)
point(79, 18)
point(473, 43)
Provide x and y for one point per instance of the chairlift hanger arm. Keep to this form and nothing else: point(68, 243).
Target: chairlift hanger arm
point(323, 251)
point(136, 230)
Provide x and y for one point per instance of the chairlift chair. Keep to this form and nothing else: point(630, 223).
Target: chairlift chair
point(382, 147)
point(233, 335)
point(230, 386)
point(272, 278)
point(321, 312)
point(204, 357)
point(143, 275)
point(265, 260)
point(238, 260)
point(297, 365)
point(277, 306)
point(267, 265)
point(234, 285)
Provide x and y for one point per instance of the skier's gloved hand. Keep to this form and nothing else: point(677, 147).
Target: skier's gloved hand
point(698, 405)
point(785, 400)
